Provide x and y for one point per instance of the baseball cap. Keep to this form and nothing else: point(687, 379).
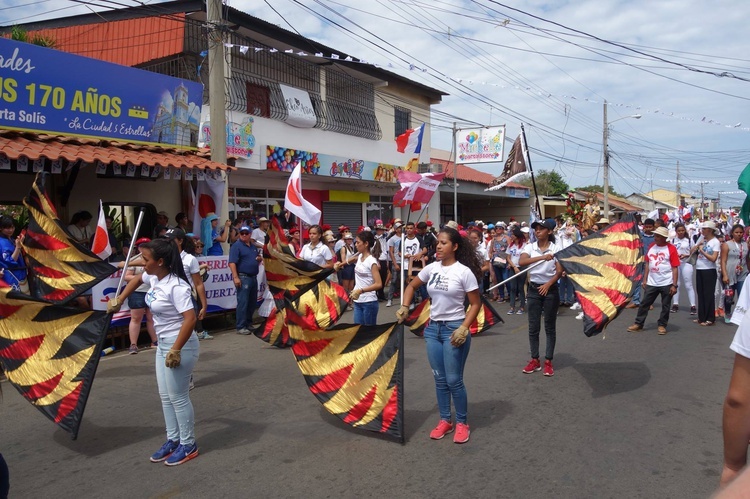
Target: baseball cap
point(245, 228)
point(142, 240)
point(547, 223)
point(175, 233)
point(397, 225)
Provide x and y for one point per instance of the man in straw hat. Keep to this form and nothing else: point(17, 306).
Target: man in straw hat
point(659, 279)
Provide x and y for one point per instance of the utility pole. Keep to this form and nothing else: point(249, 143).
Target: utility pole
point(455, 175)
point(678, 185)
point(216, 91)
point(605, 172)
point(702, 203)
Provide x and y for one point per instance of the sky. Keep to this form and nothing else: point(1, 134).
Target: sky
point(680, 65)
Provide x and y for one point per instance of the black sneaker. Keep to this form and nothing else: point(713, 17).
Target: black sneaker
point(693, 311)
point(675, 308)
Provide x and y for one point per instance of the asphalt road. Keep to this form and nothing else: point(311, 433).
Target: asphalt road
point(626, 415)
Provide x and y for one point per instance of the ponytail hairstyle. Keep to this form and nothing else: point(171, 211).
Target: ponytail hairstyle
point(465, 252)
point(373, 245)
point(169, 252)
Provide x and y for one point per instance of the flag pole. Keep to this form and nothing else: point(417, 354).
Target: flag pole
point(516, 275)
point(531, 170)
point(130, 252)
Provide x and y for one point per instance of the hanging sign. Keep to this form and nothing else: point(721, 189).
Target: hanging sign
point(480, 145)
point(300, 112)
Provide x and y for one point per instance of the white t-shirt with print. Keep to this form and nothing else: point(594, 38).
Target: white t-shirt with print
point(711, 247)
point(447, 287)
point(683, 245)
point(514, 252)
point(661, 260)
point(363, 278)
point(168, 299)
point(482, 253)
point(542, 272)
point(318, 255)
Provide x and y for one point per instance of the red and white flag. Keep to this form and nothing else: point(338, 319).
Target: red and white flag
point(295, 203)
point(416, 188)
point(100, 245)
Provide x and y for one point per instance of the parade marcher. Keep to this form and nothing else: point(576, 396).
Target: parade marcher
point(542, 297)
point(170, 300)
point(708, 250)
point(366, 279)
point(647, 238)
point(450, 281)
point(11, 256)
point(660, 278)
point(79, 228)
point(316, 251)
point(517, 293)
point(346, 269)
point(192, 271)
point(137, 305)
point(244, 261)
point(566, 236)
point(684, 245)
point(734, 264)
point(498, 257)
point(383, 261)
point(475, 238)
point(394, 255)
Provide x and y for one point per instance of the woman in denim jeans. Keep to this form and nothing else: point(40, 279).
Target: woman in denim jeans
point(366, 279)
point(450, 280)
point(542, 298)
point(170, 301)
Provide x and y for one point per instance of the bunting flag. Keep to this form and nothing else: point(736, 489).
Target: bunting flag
point(515, 167)
point(50, 351)
point(59, 269)
point(419, 318)
point(357, 373)
point(50, 354)
point(604, 268)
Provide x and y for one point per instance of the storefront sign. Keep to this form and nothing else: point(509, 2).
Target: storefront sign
point(46, 90)
point(240, 138)
point(515, 192)
point(300, 112)
point(480, 145)
point(313, 163)
point(220, 291)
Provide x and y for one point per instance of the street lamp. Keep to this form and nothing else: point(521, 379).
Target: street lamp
point(606, 156)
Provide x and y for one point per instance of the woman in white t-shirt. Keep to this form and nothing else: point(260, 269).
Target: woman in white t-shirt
point(450, 280)
point(316, 251)
point(684, 244)
point(137, 305)
point(708, 249)
point(171, 304)
point(542, 297)
point(192, 269)
point(366, 280)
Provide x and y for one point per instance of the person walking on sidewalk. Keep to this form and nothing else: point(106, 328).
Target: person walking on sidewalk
point(450, 280)
point(171, 303)
point(659, 279)
point(244, 261)
point(543, 297)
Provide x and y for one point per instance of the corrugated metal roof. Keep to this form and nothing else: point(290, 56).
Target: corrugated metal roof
point(128, 42)
point(33, 146)
point(468, 174)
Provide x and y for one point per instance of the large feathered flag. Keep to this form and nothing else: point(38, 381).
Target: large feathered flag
point(50, 351)
point(515, 166)
point(357, 373)
point(419, 318)
point(604, 268)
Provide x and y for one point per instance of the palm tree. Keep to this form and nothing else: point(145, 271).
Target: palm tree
point(21, 35)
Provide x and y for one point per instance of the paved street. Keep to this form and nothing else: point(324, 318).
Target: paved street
point(627, 415)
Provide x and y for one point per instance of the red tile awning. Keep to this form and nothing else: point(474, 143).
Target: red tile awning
point(15, 145)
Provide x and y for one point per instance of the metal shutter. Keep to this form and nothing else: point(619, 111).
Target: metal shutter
point(349, 214)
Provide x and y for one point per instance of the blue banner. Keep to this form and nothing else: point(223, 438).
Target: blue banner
point(46, 90)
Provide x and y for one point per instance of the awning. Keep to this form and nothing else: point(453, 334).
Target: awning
point(50, 151)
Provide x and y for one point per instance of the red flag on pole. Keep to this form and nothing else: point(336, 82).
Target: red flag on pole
point(416, 188)
point(100, 245)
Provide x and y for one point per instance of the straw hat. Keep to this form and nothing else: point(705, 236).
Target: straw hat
point(661, 231)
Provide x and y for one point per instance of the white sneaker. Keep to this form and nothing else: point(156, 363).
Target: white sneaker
point(389, 303)
point(579, 317)
point(576, 306)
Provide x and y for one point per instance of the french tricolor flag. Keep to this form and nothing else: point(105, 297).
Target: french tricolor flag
point(410, 142)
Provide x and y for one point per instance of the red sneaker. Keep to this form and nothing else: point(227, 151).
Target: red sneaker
point(441, 430)
point(462, 433)
point(532, 366)
point(548, 369)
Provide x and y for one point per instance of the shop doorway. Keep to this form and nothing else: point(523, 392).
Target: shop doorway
point(349, 214)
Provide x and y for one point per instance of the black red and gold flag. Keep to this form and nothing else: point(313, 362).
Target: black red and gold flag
point(318, 308)
point(48, 350)
point(604, 268)
point(59, 269)
point(419, 318)
point(356, 372)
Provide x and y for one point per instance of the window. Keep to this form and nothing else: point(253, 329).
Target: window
point(258, 100)
point(379, 208)
point(251, 204)
point(403, 120)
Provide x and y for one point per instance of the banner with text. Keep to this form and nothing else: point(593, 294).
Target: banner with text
point(480, 145)
point(220, 291)
point(46, 90)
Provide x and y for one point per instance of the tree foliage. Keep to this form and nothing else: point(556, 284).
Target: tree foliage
point(598, 188)
point(21, 35)
point(548, 183)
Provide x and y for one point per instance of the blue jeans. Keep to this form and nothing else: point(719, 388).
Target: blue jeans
point(517, 292)
point(447, 363)
point(247, 298)
point(174, 389)
point(501, 274)
point(366, 313)
point(567, 292)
